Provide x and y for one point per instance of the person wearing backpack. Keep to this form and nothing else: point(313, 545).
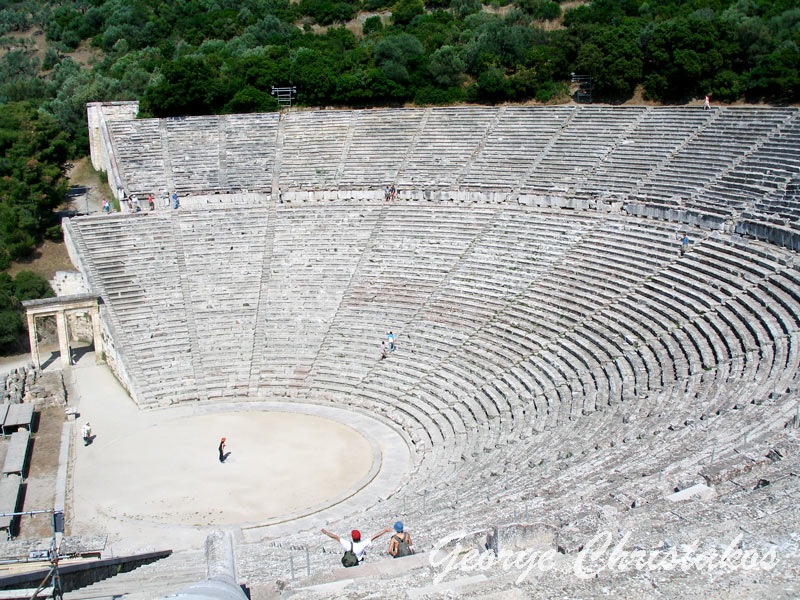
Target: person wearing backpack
point(354, 550)
point(400, 544)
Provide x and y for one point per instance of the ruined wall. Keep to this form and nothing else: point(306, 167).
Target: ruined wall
point(100, 148)
point(79, 324)
point(96, 114)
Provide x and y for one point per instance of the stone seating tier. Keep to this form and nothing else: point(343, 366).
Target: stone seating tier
point(559, 347)
point(656, 155)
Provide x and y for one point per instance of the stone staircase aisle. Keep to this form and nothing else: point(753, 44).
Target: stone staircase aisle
point(327, 343)
point(261, 313)
point(518, 185)
point(657, 168)
point(195, 359)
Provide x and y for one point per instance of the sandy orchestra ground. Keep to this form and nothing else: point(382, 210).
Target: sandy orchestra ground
point(156, 475)
point(276, 466)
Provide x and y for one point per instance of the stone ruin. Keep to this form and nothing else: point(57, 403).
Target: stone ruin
point(27, 384)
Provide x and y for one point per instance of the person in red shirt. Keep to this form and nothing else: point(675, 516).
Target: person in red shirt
point(222, 455)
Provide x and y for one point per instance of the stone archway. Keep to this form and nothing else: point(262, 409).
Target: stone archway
point(59, 307)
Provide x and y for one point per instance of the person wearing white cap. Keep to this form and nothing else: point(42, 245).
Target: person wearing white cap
point(86, 433)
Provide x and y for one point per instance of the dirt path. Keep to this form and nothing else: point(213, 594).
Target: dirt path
point(86, 191)
point(85, 197)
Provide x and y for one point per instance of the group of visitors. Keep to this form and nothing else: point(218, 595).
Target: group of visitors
point(390, 192)
point(356, 547)
point(134, 206)
point(133, 203)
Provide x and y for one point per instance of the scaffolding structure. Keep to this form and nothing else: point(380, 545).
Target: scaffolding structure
point(583, 94)
point(284, 95)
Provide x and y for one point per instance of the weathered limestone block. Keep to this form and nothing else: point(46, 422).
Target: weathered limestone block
point(574, 535)
point(698, 491)
point(783, 449)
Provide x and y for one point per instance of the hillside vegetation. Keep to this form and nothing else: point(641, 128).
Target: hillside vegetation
point(222, 56)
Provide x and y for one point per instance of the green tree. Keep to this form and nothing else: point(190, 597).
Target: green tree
point(727, 86)
point(188, 85)
point(437, 96)
point(405, 11)
point(314, 75)
point(353, 88)
point(250, 99)
point(11, 327)
point(33, 149)
point(30, 286)
point(613, 58)
point(383, 89)
point(493, 85)
point(541, 9)
point(777, 75)
point(326, 12)
point(684, 55)
point(396, 54)
point(464, 8)
point(372, 24)
point(447, 67)
point(25, 286)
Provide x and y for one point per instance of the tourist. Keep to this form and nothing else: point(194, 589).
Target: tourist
point(387, 193)
point(390, 338)
point(384, 353)
point(400, 544)
point(174, 200)
point(354, 550)
point(86, 433)
point(393, 191)
point(135, 206)
point(151, 202)
point(222, 455)
point(684, 244)
point(707, 104)
point(106, 206)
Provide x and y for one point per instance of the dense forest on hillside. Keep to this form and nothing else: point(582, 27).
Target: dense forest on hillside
point(220, 56)
point(223, 56)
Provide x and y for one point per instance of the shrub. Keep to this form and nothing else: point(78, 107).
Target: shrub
point(405, 11)
point(543, 10)
point(373, 23)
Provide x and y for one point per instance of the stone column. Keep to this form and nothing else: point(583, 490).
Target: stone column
point(63, 338)
point(98, 339)
point(33, 340)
